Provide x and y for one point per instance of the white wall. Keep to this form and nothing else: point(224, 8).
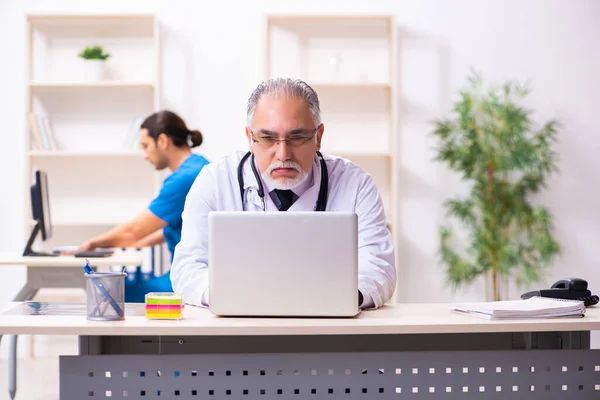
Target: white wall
point(213, 58)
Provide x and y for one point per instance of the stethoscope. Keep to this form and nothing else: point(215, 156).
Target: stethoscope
point(323, 189)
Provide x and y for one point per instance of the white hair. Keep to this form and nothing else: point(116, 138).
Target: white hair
point(285, 87)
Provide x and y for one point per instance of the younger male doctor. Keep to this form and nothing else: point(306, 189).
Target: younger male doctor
point(284, 131)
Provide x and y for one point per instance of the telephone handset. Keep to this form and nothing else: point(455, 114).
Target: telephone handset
point(570, 289)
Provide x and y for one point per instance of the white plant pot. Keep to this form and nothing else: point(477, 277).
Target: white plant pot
point(93, 70)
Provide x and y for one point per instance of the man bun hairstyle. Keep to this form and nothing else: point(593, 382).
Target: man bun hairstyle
point(196, 138)
point(174, 127)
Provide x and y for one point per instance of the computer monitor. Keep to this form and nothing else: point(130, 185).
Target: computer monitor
point(40, 210)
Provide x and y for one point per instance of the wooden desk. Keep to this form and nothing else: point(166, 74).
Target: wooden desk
point(404, 350)
point(391, 319)
point(54, 272)
point(118, 258)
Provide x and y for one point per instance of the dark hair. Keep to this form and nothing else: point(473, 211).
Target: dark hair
point(172, 125)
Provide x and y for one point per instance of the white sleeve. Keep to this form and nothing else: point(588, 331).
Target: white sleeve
point(376, 265)
point(189, 271)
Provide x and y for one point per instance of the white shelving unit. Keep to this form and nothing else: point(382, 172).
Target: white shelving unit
point(350, 60)
point(66, 84)
point(95, 180)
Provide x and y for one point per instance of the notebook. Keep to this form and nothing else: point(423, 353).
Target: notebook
point(534, 307)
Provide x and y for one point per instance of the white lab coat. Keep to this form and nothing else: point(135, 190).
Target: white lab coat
point(350, 189)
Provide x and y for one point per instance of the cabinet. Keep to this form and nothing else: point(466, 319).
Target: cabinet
point(97, 177)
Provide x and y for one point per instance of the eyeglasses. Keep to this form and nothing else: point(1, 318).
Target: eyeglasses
point(295, 140)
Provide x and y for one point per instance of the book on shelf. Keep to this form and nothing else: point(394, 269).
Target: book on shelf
point(534, 307)
point(41, 131)
point(131, 139)
point(35, 131)
point(47, 131)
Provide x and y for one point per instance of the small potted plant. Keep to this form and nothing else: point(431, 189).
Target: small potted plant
point(94, 58)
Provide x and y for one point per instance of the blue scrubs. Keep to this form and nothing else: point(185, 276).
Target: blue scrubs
point(168, 206)
point(169, 203)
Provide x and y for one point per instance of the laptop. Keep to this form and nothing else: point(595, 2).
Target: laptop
point(286, 264)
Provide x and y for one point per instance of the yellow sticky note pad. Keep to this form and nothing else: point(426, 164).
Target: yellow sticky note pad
point(164, 305)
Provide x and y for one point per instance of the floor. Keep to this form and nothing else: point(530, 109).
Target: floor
point(37, 376)
point(37, 367)
point(36, 379)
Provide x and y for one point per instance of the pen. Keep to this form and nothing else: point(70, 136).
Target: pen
point(87, 268)
point(100, 286)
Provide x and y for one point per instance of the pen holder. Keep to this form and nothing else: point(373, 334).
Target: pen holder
point(106, 296)
point(164, 305)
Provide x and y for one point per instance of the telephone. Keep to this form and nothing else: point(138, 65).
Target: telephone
point(570, 289)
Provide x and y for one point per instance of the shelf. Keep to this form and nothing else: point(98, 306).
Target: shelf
point(83, 224)
point(97, 175)
point(349, 49)
point(56, 154)
point(350, 85)
point(328, 17)
point(350, 61)
point(356, 154)
point(83, 84)
point(70, 26)
point(109, 114)
point(57, 40)
point(79, 18)
point(356, 120)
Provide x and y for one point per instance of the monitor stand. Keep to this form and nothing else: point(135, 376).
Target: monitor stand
point(29, 251)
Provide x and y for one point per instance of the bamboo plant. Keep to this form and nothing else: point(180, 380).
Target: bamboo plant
point(491, 141)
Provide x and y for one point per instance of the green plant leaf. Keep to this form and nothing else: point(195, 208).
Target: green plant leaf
point(94, 53)
point(490, 140)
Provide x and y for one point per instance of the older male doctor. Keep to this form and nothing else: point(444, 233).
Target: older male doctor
point(284, 170)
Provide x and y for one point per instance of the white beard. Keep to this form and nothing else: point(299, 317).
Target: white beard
point(284, 183)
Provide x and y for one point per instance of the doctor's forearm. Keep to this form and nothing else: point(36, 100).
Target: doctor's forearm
point(191, 280)
point(376, 281)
